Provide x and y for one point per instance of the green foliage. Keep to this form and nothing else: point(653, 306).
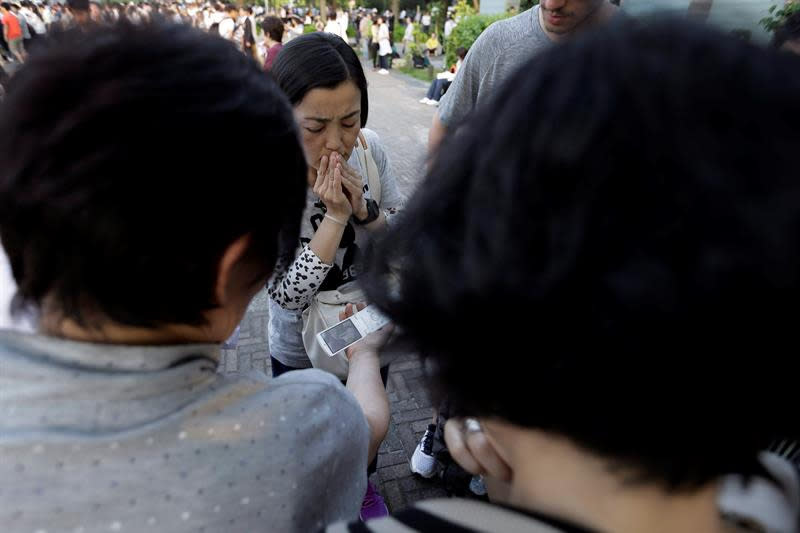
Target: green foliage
point(463, 9)
point(309, 28)
point(438, 11)
point(420, 36)
point(466, 32)
point(399, 31)
point(413, 49)
point(778, 15)
point(422, 74)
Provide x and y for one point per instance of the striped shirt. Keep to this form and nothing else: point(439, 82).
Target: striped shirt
point(461, 516)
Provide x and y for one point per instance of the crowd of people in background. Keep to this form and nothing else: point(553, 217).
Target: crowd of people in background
point(253, 29)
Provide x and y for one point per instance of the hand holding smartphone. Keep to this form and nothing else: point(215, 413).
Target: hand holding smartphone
point(351, 330)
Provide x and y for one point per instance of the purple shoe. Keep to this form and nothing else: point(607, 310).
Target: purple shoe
point(373, 505)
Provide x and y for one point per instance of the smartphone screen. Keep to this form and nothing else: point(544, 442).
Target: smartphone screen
point(340, 336)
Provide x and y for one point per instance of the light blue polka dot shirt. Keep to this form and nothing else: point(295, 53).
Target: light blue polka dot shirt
point(127, 438)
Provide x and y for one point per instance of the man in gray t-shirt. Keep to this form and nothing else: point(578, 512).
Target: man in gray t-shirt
point(504, 46)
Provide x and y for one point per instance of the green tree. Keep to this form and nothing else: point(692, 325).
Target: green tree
point(777, 16)
point(469, 26)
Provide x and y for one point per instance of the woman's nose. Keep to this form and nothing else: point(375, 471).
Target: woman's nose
point(333, 142)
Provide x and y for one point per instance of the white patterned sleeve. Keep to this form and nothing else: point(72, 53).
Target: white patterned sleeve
point(295, 289)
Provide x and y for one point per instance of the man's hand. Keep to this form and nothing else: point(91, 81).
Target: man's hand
point(470, 448)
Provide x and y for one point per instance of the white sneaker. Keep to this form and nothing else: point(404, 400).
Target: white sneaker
point(424, 100)
point(423, 462)
point(433, 103)
point(383, 71)
point(477, 486)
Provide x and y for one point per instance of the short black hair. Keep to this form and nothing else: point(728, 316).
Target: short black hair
point(127, 170)
point(789, 30)
point(461, 52)
point(78, 5)
point(319, 60)
point(273, 27)
point(615, 258)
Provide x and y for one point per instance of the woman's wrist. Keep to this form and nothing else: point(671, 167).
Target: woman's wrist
point(336, 220)
point(362, 353)
point(342, 216)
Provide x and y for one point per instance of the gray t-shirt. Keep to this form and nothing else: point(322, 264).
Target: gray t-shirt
point(293, 291)
point(499, 51)
point(98, 438)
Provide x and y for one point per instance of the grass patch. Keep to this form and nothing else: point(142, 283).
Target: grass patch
point(422, 74)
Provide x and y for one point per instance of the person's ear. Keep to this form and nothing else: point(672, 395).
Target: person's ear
point(227, 265)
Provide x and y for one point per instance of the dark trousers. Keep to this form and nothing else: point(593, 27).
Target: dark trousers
point(373, 54)
point(437, 89)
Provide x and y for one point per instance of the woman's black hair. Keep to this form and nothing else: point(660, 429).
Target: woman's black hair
point(319, 60)
point(609, 251)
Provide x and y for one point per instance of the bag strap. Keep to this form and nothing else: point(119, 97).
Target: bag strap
point(370, 167)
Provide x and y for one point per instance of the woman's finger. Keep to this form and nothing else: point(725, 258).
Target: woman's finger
point(322, 189)
point(337, 183)
point(457, 446)
point(347, 312)
point(352, 175)
point(321, 171)
point(352, 188)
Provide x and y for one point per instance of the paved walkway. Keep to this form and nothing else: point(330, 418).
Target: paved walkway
point(402, 123)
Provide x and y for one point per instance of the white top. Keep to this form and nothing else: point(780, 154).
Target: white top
point(409, 35)
point(297, 31)
point(343, 21)
point(226, 28)
point(293, 288)
point(333, 27)
point(383, 40)
point(448, 27)
point(33, 20)
point(426, 20)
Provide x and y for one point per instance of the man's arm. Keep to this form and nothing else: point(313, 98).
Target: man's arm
point(462, 96)
point(436, 134)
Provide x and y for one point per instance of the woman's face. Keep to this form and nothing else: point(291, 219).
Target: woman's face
point(329, 121)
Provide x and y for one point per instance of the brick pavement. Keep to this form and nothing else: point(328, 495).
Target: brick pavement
point(402, 123)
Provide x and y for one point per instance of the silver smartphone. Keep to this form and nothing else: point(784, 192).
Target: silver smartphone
point(351, 330)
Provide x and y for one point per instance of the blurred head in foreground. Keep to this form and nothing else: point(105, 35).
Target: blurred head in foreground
point(607, 271)
point(123, 214)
